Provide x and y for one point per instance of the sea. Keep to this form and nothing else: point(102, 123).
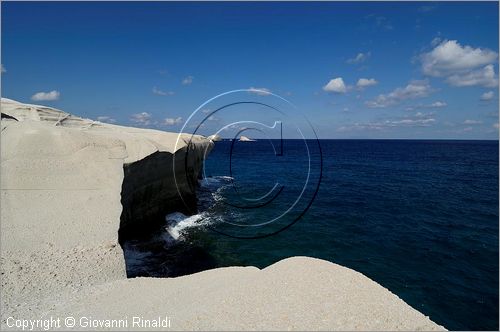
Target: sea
point(419, 217)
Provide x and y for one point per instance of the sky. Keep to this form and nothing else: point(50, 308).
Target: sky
point(415, 70)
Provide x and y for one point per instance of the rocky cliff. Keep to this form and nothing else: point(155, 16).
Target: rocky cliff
point(68, 185)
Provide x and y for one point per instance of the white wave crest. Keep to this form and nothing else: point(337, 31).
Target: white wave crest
point(179, 222)
point(214, 181)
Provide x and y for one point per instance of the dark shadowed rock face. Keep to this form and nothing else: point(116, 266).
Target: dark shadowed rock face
point(150, 191)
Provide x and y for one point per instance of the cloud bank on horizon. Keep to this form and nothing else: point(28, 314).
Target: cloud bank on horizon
point(393, 70)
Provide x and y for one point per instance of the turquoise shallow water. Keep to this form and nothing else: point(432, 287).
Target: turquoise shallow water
point(418, 217)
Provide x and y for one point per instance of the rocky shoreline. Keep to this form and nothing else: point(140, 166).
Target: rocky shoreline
point(70, 186)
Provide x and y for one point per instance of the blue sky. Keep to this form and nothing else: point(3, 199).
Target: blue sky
point(357, 70)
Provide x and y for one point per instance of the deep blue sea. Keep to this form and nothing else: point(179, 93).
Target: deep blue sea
point(419, 217)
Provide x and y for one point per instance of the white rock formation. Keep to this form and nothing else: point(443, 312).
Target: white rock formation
point(215, 138)
point(246, 139)
point(63, 182)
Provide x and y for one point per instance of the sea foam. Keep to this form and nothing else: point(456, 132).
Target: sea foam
point(179, 223)
point(208, 196)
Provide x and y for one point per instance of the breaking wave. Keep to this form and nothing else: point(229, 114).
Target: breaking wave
point(178, 223)
point(209, 195)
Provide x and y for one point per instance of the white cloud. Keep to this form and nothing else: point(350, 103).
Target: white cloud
point(415, 89)
point(419, 120)
point(472, 122)
point(159, 92)
point(365, 82)
point(420, 115)
point(336, 85)
point(487, 96)
point(40, 96)
point(460, 65)
point(172, 121)
point(106, 118)
point(259, 91)
point(142, 119)
point(495, 125)
point(2, 69)
point(450, 57)
point(359, 58)
point(484, 77)
point(188, 80)
point(413, 122)
point(438, 104)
